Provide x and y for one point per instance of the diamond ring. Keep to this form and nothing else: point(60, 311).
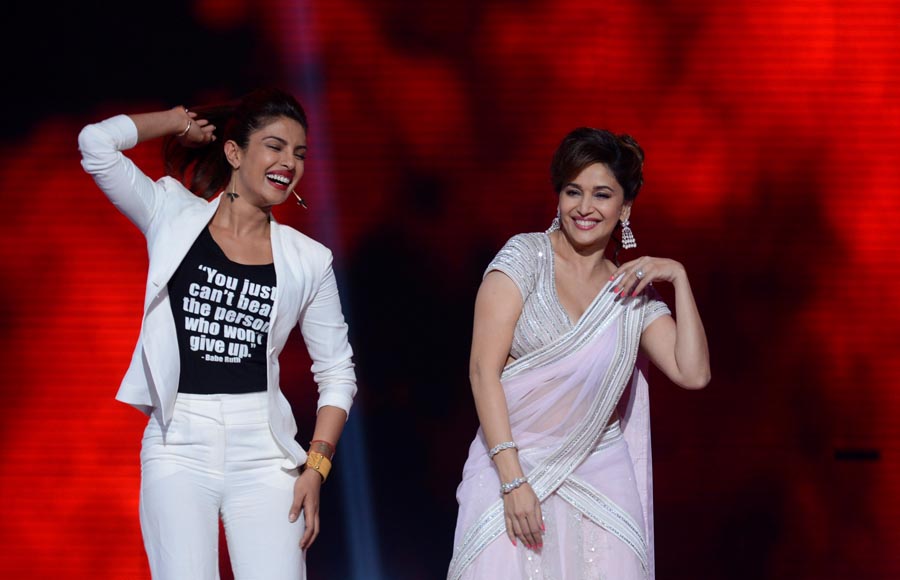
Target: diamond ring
point(639, 274)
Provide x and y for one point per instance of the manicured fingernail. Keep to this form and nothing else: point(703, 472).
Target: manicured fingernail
point(615, 289)
point(292, 517)
point(543, 528)
point(613, 277)
point(541, 545)
point(514, 542)
point(634, 294)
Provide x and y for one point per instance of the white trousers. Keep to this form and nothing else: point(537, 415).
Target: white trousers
point(217, 458)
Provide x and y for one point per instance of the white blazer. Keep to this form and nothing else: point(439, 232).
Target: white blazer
point(171, 218)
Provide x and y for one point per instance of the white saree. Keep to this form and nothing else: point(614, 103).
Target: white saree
point(590, 470)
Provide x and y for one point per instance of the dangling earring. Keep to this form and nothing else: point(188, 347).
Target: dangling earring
point(554, 225)
point(628, 242)
point(232, 194)
point(300, 200)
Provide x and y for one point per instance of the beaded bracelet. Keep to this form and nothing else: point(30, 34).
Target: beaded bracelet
point(500, 447)
point(505, 488)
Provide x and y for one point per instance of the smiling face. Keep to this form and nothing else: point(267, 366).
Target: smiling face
point(590, 206)
point(272, 163)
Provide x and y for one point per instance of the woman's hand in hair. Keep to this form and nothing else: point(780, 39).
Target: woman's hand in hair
point(196, 131)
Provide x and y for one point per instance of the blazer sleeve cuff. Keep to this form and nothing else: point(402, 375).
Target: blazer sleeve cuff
point(123, 131)
point(342, 399)
point(118, 133)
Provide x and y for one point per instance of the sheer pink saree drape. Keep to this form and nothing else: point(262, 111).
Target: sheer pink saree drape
point(591, 474)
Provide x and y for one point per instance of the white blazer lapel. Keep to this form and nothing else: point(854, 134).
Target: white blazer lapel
point(168, 248)
point(288, 297)
point(171, 243)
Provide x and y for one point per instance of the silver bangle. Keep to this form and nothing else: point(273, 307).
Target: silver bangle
point(186, 129)
point(505, 488)
point(500, 447)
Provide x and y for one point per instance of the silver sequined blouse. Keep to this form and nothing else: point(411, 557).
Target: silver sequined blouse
point(528, 260)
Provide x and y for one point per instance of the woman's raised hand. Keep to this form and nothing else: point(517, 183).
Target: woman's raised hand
point(523, 517)
point(637, 274)
point(196, 131)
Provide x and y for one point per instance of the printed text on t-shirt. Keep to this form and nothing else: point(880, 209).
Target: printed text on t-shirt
point(227, 316)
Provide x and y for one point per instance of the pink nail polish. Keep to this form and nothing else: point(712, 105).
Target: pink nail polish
point(514, 543)
point(611, 278)
point(634, 294)
point(543, 528)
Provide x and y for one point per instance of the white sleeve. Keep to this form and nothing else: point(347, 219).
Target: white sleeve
point(325, 334)
point(518, 259)
point(654, 307)
point(127, 187)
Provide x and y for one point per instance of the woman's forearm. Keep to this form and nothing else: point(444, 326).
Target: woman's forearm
point(160, 123)
point(330, 423)
point(493, 414)
point(691, 349)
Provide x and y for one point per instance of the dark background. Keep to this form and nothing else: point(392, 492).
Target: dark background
point(771, 133)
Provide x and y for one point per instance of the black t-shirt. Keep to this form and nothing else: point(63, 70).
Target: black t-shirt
point(221, 311)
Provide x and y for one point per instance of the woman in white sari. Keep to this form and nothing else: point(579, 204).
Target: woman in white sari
point(558, 482)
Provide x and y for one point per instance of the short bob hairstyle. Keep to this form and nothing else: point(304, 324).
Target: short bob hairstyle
point(585, 146)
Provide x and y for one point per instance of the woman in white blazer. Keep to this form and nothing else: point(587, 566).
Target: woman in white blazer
point(225, 286)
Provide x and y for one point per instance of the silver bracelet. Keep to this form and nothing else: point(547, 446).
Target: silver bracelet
point(500, 447)
point(505, 488)
point(186, 129)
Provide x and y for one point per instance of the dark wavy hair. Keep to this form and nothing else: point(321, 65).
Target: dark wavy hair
point(205, 170)
point(585, 146)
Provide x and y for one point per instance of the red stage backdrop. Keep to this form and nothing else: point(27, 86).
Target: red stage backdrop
point(771, 133)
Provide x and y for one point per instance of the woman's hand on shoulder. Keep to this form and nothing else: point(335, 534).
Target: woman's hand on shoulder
point(634, 276)
point(524, 520)
point(307, 488)
point(197, 131)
